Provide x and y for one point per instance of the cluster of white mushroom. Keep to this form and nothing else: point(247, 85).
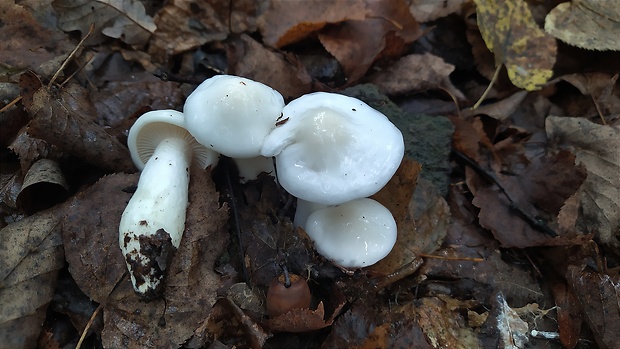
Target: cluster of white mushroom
point(331, 152)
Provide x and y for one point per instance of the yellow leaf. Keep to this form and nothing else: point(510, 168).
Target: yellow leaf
point(509, 31)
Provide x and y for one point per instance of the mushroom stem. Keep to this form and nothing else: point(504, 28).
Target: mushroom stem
point(154, 219)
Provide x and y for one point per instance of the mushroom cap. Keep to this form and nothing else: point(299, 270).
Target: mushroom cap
point(355, 234)
point(153, 127)
point(332, 148)
point(232, 115)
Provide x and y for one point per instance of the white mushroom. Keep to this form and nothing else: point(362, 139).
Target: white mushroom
point(251, 168)
point(152, 224)
point(232, 115)
point(331, 148)
point(356, 234)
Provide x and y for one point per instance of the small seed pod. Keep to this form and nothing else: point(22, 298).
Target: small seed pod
point(282, 299)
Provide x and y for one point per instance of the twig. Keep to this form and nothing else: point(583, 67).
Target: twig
point(90, 31)
point(12, 103)
point(90, 322)
point(470, 259)
point(486, 92)
point(535, 223)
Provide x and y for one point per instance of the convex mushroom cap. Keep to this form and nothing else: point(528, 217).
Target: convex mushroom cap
point(232, 115)
point(331, 148)
point(356, 234)
point(152, 224)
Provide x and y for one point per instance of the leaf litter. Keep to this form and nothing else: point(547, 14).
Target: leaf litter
point(507, 213)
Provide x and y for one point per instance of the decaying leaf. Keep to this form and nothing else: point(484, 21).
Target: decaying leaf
point(386, 30)
point(598, 296)
point(185, 25)
point(589, 24)
point(121, 19)
point(25, 42)
point(510, 32)
point(444, 326)
point(597, 148)
point(504, 327)
point(90, 234)
point(304, 18)
point(426, 11)
point(284, 73)
point(31, 254)
point(61, 119)
point(44, 185)
point(416, 73)
point(190, 281)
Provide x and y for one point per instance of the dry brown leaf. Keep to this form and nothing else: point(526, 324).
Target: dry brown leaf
point(416, 73)
point(185, 25)
point(426, 11)
point(510, 32)
point(443, 326)
point(499, 110)
point(598, 296)
point(61, 118)
point(570, 317)
point(90, 234)
point(31, 254)
point(286, 22)
point(44, 186)
point(597, 147)
point(385, 32)
point(25, 42)
point(119, 100)
point(121, 19)
point(250, 59)
point(589, 24)
point(190, 282)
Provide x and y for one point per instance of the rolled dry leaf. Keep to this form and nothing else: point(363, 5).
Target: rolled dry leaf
point(44, 186)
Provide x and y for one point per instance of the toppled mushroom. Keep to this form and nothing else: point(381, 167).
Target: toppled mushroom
point(152, 224)
point(333, 148)
point(356, 234)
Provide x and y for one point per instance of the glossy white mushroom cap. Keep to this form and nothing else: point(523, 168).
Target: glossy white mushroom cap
point(153, 127)
point(232, 115)
point(356, 234)
point(331, 148)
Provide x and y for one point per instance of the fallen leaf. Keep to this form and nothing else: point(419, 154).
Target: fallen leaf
point(31, 254)
point(303, 320)
point(426, 11)
point(570, 317)
point(26, 42)
point(190, 281)
point(444, 327)
point(61, 119)
point(386, 30)
point(44, 186)
point(352, 328)
point(90, 235)
point(499, 110)
point(284, 73)
point(504, 327)
point(185, 25)
point(304, 18)
point(118, 100)
point(597, 148)
point(589, 24)
point(416, 73)
point(598, 296)
point(121, 19)
point(512, 35)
